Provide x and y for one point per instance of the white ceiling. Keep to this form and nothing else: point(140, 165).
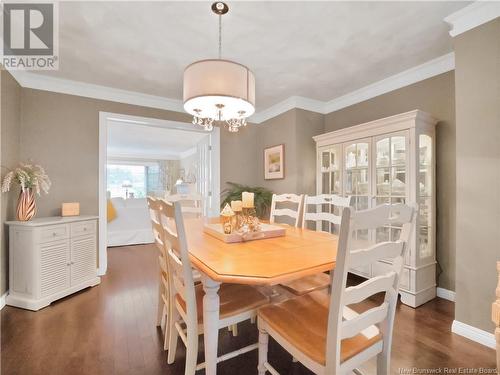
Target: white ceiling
point(126, 140)
point(319, 50)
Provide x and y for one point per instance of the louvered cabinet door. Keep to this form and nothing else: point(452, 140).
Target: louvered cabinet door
point(83, 259)
point(54, 267)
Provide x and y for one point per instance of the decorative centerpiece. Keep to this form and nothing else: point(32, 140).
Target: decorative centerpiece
point(237, 207)
point(227, 219)
point(32, 178)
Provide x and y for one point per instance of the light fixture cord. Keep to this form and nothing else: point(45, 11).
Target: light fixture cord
point(220, 36)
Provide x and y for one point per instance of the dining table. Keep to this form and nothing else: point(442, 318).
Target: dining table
point(263, 262)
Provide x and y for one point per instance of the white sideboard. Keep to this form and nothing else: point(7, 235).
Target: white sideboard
point(50, 258)
point(390, 160)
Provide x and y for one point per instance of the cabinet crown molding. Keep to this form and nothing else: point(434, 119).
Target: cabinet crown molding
point(406, 120)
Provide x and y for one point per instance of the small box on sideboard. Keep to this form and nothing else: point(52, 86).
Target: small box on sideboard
point(70, 209)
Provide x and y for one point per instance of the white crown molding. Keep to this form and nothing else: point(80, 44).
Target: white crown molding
point(472, 16)
point(88, 90)
point(416, 74)
point(3, 299)
point(445, 294)
point(429, 69)
point(475, 334)
point(286, 105)
point(413, 75)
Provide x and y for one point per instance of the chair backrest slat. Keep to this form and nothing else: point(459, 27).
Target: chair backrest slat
point(382, 215)
point(289, 199)
point(382, 250)
point(379, 318)
point(330, 201)
point(378, 284)
point(181, 273)
point(190, 203)
point(361, 322)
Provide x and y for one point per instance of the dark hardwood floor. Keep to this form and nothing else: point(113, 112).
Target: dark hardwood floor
point(110, 329)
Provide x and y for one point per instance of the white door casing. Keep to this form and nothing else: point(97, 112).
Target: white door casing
point(211, 172)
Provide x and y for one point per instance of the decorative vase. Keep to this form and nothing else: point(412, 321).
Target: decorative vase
point(26, 206)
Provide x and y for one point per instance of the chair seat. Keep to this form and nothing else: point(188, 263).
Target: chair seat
point(308, 284)
point(234, 299)
point(302, 321)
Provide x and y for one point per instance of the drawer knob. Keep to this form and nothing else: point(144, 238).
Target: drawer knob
point(54, 234)
point(84, 229)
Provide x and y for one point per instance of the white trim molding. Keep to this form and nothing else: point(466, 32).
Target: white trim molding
point(418, 73)
point(408, 77)
point(472, 16)
point(88, 90)
point(445, 294)
point(475, 334)
point(3, 299)
point(291, 103)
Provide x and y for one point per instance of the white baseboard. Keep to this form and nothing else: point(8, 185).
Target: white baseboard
point(3, 299)
point(446, 294)
point(474, 334)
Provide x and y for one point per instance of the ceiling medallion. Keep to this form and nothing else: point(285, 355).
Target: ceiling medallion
point(217, 90)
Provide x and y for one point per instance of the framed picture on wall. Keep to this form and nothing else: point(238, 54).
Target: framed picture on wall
point(274, 162)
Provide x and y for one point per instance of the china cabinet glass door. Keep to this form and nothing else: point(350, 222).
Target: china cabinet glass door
point(331, 177)
point(357, 176)
point(425, 194)
point(391, 176)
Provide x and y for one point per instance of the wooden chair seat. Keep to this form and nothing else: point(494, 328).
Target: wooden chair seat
point(302, 321)
point(308, 284)
point(234, 299)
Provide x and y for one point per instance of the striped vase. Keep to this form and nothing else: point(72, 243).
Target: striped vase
point(26, 206)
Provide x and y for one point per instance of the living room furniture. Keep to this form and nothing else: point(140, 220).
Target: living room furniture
point(322, 331)
point(132, 224)
point(50, 258)
point(391, 160)
point(263, 262)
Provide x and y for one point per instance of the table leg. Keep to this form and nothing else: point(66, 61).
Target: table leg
point(211, 305)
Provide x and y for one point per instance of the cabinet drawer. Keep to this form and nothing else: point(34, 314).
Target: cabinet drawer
point(54, 233)
point(83, 228)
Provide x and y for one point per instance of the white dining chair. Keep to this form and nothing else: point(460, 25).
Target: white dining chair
point(320, 330)
point(292, 210)
point(163, 307)
point(191, 203)
point(325, 206)
point(238, 302)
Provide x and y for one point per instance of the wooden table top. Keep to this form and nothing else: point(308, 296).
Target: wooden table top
point(268, 261)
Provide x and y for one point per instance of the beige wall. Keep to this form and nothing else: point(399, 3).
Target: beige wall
point(295, 130)
point(477, 59)
point(61, 133)
point(437, 96)
point(9, 157)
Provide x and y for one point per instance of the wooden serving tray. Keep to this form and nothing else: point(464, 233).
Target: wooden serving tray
point(268, 231)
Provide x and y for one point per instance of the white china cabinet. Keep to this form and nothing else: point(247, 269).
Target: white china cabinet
point(389, 160)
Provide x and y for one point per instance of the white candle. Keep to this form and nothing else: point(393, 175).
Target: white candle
point(247, 199)
point(236, 205)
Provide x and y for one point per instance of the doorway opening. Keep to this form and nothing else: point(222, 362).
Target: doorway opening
point(140, 157)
